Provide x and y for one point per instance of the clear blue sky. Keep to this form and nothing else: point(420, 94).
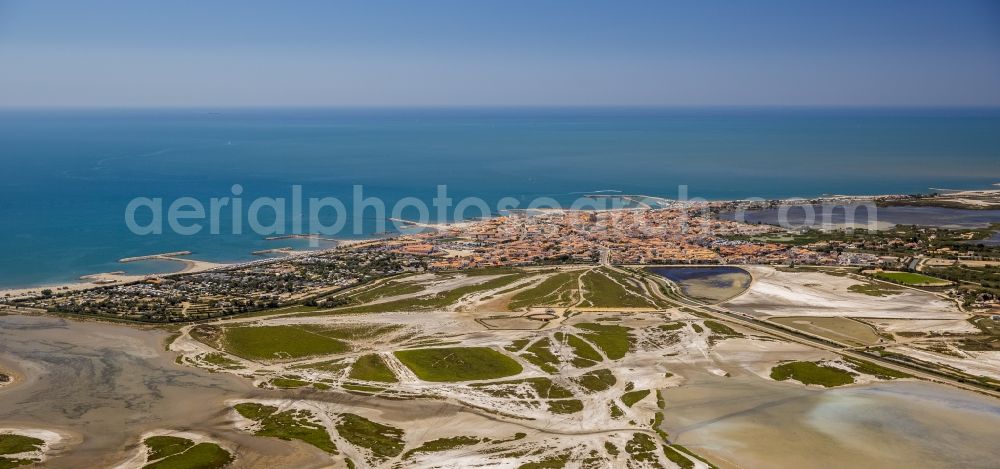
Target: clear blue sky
point(507, 52)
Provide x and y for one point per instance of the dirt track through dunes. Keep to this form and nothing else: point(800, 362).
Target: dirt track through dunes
point(809, 293)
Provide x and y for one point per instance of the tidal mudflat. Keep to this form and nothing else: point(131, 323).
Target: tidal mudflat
point(560, 391)
point(102, 386)
point(746, 421)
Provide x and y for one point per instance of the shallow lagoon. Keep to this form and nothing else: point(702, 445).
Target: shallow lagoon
point(712, 284)
point(747, 421)
point(800, 217)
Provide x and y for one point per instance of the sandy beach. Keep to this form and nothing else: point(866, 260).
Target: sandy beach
point(104, 279)
point(190, 266)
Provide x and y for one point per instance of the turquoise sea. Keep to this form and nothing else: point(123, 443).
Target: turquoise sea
point(69, 174)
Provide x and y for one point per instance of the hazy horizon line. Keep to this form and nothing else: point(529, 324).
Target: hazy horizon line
point(499, 106)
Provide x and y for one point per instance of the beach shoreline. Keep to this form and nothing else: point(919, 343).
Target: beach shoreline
point(191, 266)
point(106, 279)
point(103, 279)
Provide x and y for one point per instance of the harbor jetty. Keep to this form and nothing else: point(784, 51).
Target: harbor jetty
point(155, 256)
point(262, 252)
point(299, 236)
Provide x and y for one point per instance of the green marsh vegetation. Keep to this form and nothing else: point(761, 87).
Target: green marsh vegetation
point(909, 278)
point(540, 354)
point(671, 326)
point(874, 289)
point(878, 371)
point(604, 289)
point(597, 380)
point(642, 449)
point(721, 329)
point(677, 458)
point(443, 444)
point(812, 373)
point(11, 443)
point(558, 290)
point(555, 461)
point(279, 342)
point(516, 345)
point(372, 367)
point(386, 289)
point(221, 360)
point(431, 301)
point(566, 406)
point(451, 364)
point(289, 382)
point(631, 397)
point(616, 412)
point(171, 452)
point(331, 366)
point(351, 332)
point(383, 441)
point(290, 424)
point(614, 340)
point(584, 352)
point(543, 387)
point(290, 342)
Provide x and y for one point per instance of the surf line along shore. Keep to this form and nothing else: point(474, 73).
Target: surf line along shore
point(103, 279)
point(191, 266)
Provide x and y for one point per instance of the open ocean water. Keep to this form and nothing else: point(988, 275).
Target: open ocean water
point(69, 174)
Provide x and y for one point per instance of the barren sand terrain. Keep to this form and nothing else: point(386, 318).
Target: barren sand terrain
point(807, 293)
